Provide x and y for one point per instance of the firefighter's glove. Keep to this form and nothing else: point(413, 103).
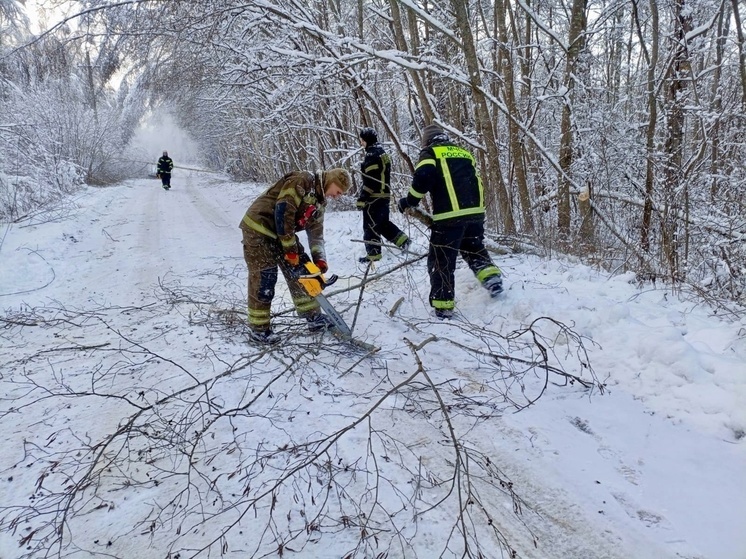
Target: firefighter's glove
point(402, 204)
point(292, 258)
point(321, 263)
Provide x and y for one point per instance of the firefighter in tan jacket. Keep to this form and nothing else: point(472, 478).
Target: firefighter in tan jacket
point(294, 203)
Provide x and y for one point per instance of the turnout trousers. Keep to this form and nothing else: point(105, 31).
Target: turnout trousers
point(447, 241)
point(263, 256)
point(376, 223)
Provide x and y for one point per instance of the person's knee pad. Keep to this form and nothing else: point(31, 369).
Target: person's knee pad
point(267, 285)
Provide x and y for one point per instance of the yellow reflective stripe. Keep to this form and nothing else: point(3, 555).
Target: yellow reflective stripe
point(442, 153)
point(488, 272)
point(310, 198)
point(437, 304)
point(259, 228)
point(416, 194)
point(290, 191)
point(447, 152)
point(288, 242)
point(449, 185)
point(259, 317)
point(382, 180)
point(305, 304)
point(424, 162)
point(458, 213)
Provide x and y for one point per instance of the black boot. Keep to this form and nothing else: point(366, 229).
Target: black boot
point(264, 337)
point(444, 314)
point(494, 284)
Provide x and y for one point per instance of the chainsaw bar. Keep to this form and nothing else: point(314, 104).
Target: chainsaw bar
point(314, 282)
point(334, 316)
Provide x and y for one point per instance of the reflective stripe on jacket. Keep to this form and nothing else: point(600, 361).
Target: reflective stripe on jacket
point(165, 164)
point(376, 170)
point(449, 174)
point(294, 203)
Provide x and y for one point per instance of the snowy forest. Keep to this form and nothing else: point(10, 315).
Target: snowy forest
point(612, 130)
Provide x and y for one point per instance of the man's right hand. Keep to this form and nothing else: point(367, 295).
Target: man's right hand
point(292, 258)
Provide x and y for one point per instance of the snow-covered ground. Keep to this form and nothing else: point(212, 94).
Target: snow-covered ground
point(136, 415)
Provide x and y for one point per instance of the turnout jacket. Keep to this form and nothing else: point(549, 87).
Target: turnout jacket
point(448, 172)
point(294, 203)
point(165, 165)
point(376, 170)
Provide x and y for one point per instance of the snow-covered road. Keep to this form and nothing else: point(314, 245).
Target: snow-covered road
point(654, 468)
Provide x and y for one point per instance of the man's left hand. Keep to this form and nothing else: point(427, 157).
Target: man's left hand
point(321, 263)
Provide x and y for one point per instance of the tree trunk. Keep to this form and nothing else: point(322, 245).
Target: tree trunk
point(483, 118)
point(717, 101)
point(514, 131)
point(425, 86)
point(587, 231)
point(576, 43)
point(674, 145)
point(652, 60)
point(741, 52)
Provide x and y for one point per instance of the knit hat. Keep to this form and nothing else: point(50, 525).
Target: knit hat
point(369, 136)
point(340, 176)
point(432, 133)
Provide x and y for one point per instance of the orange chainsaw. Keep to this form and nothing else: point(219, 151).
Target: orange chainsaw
point(314, 282)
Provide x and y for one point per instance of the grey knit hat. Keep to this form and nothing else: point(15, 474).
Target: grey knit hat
point(432, 133)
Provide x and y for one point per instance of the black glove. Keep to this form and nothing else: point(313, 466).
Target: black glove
point(402, 204)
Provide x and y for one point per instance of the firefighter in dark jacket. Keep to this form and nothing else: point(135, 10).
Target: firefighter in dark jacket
point(448, 172)
point(165, 166)
point(294, 203)
point(375, 197)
